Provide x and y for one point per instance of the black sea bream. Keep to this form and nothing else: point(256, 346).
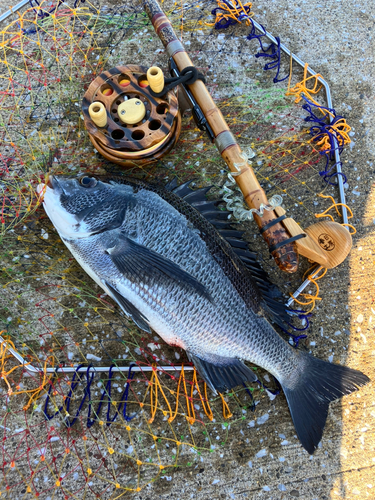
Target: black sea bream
point(169, 269)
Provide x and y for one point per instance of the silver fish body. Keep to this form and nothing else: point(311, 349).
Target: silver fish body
point(171, 271)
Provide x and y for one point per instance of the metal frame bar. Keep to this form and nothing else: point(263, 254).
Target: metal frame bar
point(100, 369)
point(330, 105)
point(32, 369)
point(13, 9)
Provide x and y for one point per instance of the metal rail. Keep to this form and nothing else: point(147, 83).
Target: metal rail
point(100, 369)
point(303, 285)
point(13, 9)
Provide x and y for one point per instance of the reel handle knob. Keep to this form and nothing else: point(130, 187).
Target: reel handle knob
point(98, 114)
point(155, 79)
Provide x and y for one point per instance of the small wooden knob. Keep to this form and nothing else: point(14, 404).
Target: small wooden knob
point(98, 114)
point(155, 79)
point(131, 111)
point(327, 243)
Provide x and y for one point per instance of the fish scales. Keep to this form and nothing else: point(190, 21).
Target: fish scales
point(157, 225)
point(231, 265)
point(169, 269)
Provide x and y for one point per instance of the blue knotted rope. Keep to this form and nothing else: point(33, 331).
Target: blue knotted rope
point(272, 51)
point(90, 375)
point(322, 129)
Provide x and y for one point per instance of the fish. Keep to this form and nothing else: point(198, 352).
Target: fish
point(174, 264)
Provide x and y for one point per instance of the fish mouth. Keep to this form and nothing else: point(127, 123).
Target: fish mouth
point(51, 183)
point(54, 184)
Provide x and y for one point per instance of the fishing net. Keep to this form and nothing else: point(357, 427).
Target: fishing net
point(91, 433)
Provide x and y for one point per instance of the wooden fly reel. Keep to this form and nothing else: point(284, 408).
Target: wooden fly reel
point(126, 124)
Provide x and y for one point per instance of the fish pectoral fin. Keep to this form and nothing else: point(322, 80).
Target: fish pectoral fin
point(134, 261)
point(128, 308)
point(221, 373)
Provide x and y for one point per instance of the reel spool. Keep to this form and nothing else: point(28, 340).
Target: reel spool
point(126, 124)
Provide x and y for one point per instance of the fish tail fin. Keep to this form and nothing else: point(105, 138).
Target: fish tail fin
point(309, 397)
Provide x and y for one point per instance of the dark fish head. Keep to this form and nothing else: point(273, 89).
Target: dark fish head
point(84, 205)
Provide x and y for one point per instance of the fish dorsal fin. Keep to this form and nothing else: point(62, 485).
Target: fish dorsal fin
point(210, 210)
point(171, 185)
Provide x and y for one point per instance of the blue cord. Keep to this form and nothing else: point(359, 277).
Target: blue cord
point(87, 395)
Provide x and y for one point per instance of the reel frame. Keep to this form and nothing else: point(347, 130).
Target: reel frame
point(125, 143)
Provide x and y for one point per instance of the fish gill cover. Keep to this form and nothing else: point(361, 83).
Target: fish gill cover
point(105, 433)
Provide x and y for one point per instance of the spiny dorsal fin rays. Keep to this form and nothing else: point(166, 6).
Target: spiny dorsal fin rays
point(219, 219)
point(171, 185)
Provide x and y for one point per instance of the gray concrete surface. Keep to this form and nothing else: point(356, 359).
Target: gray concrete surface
point(336, 39)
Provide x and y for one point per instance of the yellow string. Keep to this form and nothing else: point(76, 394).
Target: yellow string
point(182, 376)
point(341, 130)
point(335, 206)
point(205, 405)
point(351, 227)
point(301, 88)
point(34, 393)
point(154, 384)
point(232, 12)
point(226, 411)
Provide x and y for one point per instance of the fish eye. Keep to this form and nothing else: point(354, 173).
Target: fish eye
point(88, 182)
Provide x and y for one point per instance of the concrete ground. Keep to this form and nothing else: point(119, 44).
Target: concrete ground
point(337, 40)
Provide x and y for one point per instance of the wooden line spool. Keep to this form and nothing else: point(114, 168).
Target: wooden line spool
point(135, 128)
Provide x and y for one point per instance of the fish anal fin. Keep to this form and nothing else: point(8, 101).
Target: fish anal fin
point(221, 373)
point(128, 308)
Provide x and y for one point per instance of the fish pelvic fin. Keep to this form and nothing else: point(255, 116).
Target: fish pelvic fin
point(221, 373)
point(320, 383)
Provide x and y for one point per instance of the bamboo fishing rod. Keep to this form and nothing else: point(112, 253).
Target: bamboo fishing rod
point(281, 245)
